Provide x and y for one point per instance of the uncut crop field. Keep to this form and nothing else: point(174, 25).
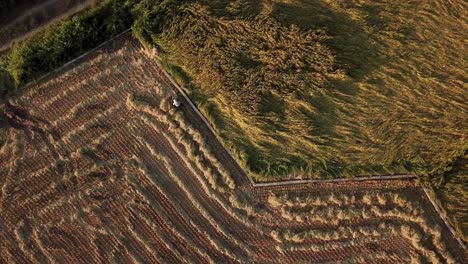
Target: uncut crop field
point(97, 166)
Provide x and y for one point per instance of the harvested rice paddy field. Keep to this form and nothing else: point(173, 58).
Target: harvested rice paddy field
point(97, 166)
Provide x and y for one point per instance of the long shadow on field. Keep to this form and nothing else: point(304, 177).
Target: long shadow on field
point(349, 42)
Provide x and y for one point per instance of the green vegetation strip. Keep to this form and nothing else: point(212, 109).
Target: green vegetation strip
point(62, 42)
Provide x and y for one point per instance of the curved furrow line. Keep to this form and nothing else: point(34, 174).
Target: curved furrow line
point(79, 220)
point(191, 214)
point(196, 171)
point(166, 223)
point(340, 199)
point(90, 123)
point(142, 242)
point(17, 150)
point(90, 101)
point(29, 166)
point(58, 206)
point(135, 232)
point(12, 252)
point(40, 185)
point(164, 119)
point(210, 214)
point(106, 244)
point(64, 142)
point(74, 240)
point(170, 121)
point(111, 125)
point(238, 198)
point(177, 119)
point(176, 176)
point(23, 247)
point(39, 92)
point(413, 234)
point(171, 247)
point(79, 242)
point(82, 141)
point(67, 138)
point(44, 109)
point(134, 248)
point(85, 86)
point(80, 114)
point(101, 123)
point(178, 223)
point(228, 207)
point(344, 243)
point(66, 209)
point(26, 161)
point(175, 239)
point(7, 149)
point(58, 247)
point(52, 200)
point(23, 233)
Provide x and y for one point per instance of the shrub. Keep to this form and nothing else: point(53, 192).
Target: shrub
point(60, 43)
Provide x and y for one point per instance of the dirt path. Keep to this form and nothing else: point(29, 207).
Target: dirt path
point(35, 18)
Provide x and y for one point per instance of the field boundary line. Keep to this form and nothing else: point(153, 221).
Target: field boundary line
point(26, 86)
point(364, 178)
point(444, 218)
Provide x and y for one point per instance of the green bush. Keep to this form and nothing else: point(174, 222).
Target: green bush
point(67, 40)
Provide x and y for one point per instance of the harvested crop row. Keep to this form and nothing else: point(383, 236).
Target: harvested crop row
point(139, 181)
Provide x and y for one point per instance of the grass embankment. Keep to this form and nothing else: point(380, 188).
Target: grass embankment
point(325, 89)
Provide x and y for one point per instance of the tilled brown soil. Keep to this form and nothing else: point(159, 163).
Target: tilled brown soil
point(98, 167)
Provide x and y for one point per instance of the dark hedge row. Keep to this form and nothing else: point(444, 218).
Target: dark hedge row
point(66, 40)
